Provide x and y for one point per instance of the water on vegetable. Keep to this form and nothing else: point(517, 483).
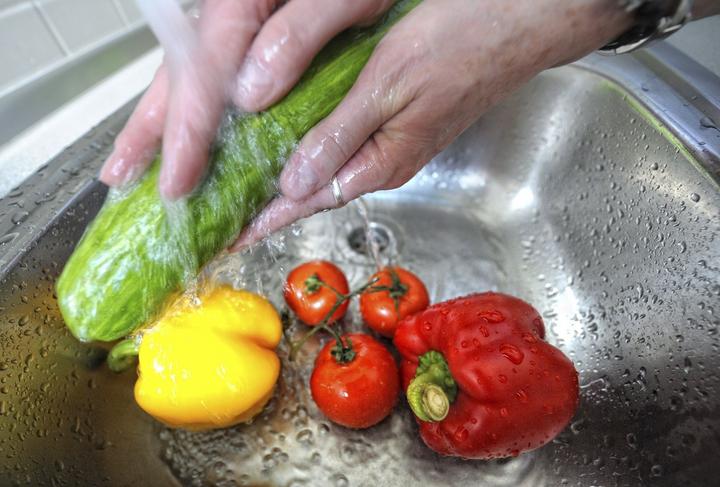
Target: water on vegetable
point(291, 443)
point(614, 238)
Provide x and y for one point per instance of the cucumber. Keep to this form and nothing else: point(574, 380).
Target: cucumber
point(135, 254)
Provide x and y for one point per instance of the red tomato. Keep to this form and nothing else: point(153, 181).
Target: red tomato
point(383, 310)
point(312, 301)
point(361, 392)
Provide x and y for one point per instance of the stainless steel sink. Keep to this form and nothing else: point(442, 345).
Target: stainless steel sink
point(591, 193)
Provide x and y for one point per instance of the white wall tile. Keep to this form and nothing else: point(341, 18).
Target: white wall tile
point(131, 10)
point(82, 22)
point(697, 40)
point(10, 3)
point(26, 45)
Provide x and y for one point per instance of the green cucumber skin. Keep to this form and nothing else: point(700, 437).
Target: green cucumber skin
point(131, 260)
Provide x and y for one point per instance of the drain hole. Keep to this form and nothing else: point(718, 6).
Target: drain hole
point(380, 235)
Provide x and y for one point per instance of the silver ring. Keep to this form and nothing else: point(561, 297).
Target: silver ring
point(337, 192)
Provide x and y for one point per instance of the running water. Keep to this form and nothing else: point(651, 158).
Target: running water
point(172, 28)
point(184, 62)
point(372, 243)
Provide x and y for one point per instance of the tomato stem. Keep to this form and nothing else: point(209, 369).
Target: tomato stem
point(397, 289)
point(324, 324)
point(342, 351)
point(313, 284)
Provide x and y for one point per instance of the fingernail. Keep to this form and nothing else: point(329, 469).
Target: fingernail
point(117, 170)
point(243, 241)
point(299, 179)
point(123, 167)
point(254, 85)
point(112, 172)
point(169, 189)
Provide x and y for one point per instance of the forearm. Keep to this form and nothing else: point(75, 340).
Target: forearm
point(603, 21)
point(705, 8)
point(586, 27)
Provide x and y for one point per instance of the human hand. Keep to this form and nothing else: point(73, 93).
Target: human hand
point(432, 75)
point(248, 51)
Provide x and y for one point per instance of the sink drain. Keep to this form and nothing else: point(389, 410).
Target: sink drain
point(378, 235)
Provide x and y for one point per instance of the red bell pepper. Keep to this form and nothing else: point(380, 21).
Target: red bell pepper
point(482, 381)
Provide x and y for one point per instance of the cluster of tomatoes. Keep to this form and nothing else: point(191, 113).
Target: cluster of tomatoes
point(355, 381)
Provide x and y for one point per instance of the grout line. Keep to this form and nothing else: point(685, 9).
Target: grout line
point(51, 27)
point(59, 63)
point(121, 12)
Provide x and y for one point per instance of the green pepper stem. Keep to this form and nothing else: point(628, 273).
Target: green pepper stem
point(122, 356)
point(433, 389)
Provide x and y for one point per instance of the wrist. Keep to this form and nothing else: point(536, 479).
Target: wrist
point(586, 26)
point(652, 20)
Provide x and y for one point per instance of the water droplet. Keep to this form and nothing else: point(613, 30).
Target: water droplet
point(656, 470)
point(687, 365)
point(503, 412)
point(305, 436)
point(340, 480)
point(512, 353)
point(461, 434)
point(695, 197)
point(19, 217)
point(631, 440)
point(708, 123)
point(577, 426)
point(6, 239)
point(484, 332)
point(502, 378)
point(529, 337)
point(269, 462)
point(492, 316)
point(522, 396)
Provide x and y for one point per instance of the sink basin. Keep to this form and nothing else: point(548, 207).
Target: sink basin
point(591, 193)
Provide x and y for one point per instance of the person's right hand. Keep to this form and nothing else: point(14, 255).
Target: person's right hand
point(247, 50)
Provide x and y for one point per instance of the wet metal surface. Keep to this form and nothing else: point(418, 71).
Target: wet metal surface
point(567, 196)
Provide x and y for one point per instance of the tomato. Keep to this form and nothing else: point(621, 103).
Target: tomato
point(311, 291)
point(405, 294)
point(357, 385)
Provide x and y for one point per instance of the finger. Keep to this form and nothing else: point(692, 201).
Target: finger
point(199, 89)
point(289, 41)
point(137, 143)
point(370, 103)
point(387, 160)
point(193, 116)
point(281, 212)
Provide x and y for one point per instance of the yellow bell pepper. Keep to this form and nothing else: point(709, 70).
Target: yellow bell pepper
point(212, 365)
